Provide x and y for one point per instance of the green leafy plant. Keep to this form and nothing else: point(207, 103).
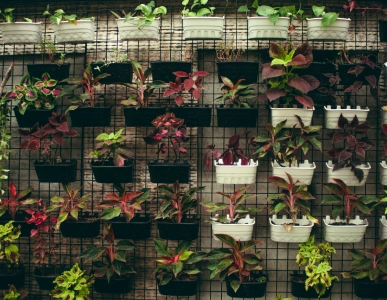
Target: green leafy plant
point(198, 8)
point(327, 18)
point(279, 297)
point(14, 294)
point(14, 201)
point(234, 263)
point(7, 14)
point(9, 251)
point(5, 141)
point(72, 284)
point(59, 15)
point(173, 264)
point(235, 95)
point(47, 49)
point(317, 267)
point(227, 51)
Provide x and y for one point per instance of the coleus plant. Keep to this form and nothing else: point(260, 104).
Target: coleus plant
point(192, 84)
point(234, 263)
point(177, 202)
point(349, 203)
point(14, 201)
point(235, 95)
point(293, 201)
point(14, 294)
point(283, 81)
point(9, 251)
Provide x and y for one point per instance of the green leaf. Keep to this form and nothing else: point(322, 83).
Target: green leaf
point(227, 240)
point(318, 10)
point(235, 284)
point(110, 213)
point(183, 246)
point(328, 19)
point(243, 9)
point(167, 277)
point(162, 248)
point(125, 245)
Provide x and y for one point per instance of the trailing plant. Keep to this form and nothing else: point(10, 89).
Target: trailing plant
point(291, 199)
point(5, 141)
point(236, 95)
point(234, 263)
point(177, 202)
point(327, 18)
point(199, 8)
point(9, 251)
point(226, 51)
point(7, 14)
point(317, 267)
point(174, 264)
point(348, 203)
point(14, 294)
point(14, 201)
point(59, 15)
point(351, 5)
point(48, 50)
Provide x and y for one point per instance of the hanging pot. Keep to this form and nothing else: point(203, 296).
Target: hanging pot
point(241, 231)
point(259, 28)
point(32, 116)
point(298, 287)
point(336, 31)
point(81, 32)
point(21, 32)
point(129, 31)
point(142, 116)
point(384, 115)
point(117, 285)
point(235, 70)
point(11, 276)
point(348, 79)
point(303, 172)
point(365, 288)
point(193, 116)
point(332, 115)
point(120, 72)
point(88, 226)
point(237, 117)
point(162, 70)
point(56, 71)
point(299, 234)
point(46, 279)
point(91, 116)
point(203, 28)
point(248, 289)
point(336, 233)
point(109, 173)
point(66, 171)
point(346, 175)
point(139, 228)
point(383, 172)
point(237, 173)
point(169, 172)
point(187, 230)
point(176, 287)
point(280, 114)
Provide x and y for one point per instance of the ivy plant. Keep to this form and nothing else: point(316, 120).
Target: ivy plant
point(327, 18)
point(198, 8)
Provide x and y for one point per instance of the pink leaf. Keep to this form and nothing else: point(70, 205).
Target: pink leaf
point(313, 82)
point(179, 100)
point(269, 71)
point(300, 84)
point(196, 94)
point(305, 100)
point(58, 137)
point(273, 94)
point(188, 84)
point(227, 158)
point(371, 80)
point(182, 150)
point(200, 73)
point(358, 70)
point(180, 74)
point(169, 92)
point(298, 60)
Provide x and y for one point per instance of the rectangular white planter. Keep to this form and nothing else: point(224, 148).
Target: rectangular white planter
point(383, 173)
point(344, 233)
point(21, 32)
point(129, 30)
point(337, 31)
point(302, 172)
point(332, 115)
point(298, 234)
point(346, 174)
point(384, 115)
point(383, 228)
point(81, 32)
point(263, 28)
point(237, 173)
point(242, 231)
point(281, 114)
point(203, 28)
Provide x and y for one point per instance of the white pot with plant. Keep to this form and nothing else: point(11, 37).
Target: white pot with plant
point(383, 164)
point(332, 115)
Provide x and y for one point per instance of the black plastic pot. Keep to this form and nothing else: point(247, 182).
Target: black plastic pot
point(109, 173)
point(32, 116)
point(139, 228)
point(235, 70)
point(66, 171)
point(87, 226)
point(249, 289)
point(142, 116)
point(46, 280)
point(14, 276)
point(169, 172)
point(187, 230)
point(25, 229)
point(91, 116)
point(348, 79)
point(365, 288)
point(193, 116)
point(162, 70)
point(237, 117)
point(320, 99)
point(383, 30)
point(56, 71)
point(318, 69)
point(298, 288)
point(178, 287)
point(119, 72)
point(117, 285)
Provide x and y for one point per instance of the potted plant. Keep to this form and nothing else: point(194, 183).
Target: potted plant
point(137, 110)
point(114, 161)
point(193, 115)
point(327, 26)
point(238, 105)
point(173, 221)
point(199, 22)
point(315, 281)
point(348, 230)
point(13, 32)
point(112, 273)
point(5, 133)
point(144, 26)
point(85, 110)
point(168, 134)
point(73, 284)
point(368, 271)
point(383, 221)
point(50, 167)
point(383, 164)
point(67, 29)
point(173, 276)
point(11, 271)
point(237, 223)
point(14, 294)
point(294, 201)
point(287, 86)
point(123, 209)
point(348, 163)
point(241, 271)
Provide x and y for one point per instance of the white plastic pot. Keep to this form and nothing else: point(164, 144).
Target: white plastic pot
point(263, 28)
point(237, 173)
point(337, 31)
point(346, 175)
point(81, 32)
point(242, 231)
point(383, 173)
point(384, 114)
point(302, 172)
point(280, 114)
point(203, 28)
point(344, 233)
point(299, 233)
point(129, 30)
point(332, 115)
point(21, 32)
point(383, 228)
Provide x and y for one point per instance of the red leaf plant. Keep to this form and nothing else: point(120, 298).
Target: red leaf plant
point(15, 200)
point(384, 129)
point(351, 5)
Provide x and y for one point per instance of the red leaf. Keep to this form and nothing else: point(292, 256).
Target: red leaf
point(276, 51)
point(119, 160)
point(200, 73)
point(300, 84)
point(72, 132)
point(227, 158)
point(63, 127)
point(33, 145)
point(179, 100)
point(273, 94)
point(12, 190)
point(338, 136)
point(371, 80)
point(180, 74)
point(48, 128)
point(298, 60)
point(313, 82)
point(188, 84)
point(58, 137)
point(169, 92)
point(269, 71)
point(344, 155)
point(358, 70)
point(233, 142)
point(23, 145)
point(352, 5)
point(305, 100)
point(196, 94)
point(384, 127)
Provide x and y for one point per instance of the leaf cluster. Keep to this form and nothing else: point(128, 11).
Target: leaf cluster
point(59, 15)
point(235, 95)
point(199, 8)
point(327, 18)
point(14, 201)
point(226, 51)
point(9, 251)
point(14, 294)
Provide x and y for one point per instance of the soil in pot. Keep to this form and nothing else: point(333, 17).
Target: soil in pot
point(255, 288)
point(237, 117)
point(365, 288)
point(46, 278)
point(107, 172)
point(13, 275)
point(91, 116)
point(117, 285)
point(348, 79)
point(66, 171)
point(298, 287)
point(193, 116)
point(87, 226)
point(185, 286)
point(162, 70)
point(169, 172)
point(187, 230)
point(119, 72)
point(142, 116)
point(20, 219)
point(139, 228)
point(56, 71)
point(235, 70)
point(32, 116)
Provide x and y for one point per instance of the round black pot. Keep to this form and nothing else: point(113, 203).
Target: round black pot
point(139, 228)
point(56, 71)
point(193, 116)
point(178, 287)
point(162, 70)
point(348, 79)
point(20, 220)
point(119, 72)
point(109, 173)
point(383, 30)
point(46, 280)
point(365, 288)
point(14, 276)
point(250, 289)
point(66, 171)
point(298, 288)
point(235, 70)
point(117, 285)
point(142, 116)
point(187, 230)
point(32, 116)
point(87, 226)
point(169, 172)
point(91, 116)
point(237, 117)
point(317, 70)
